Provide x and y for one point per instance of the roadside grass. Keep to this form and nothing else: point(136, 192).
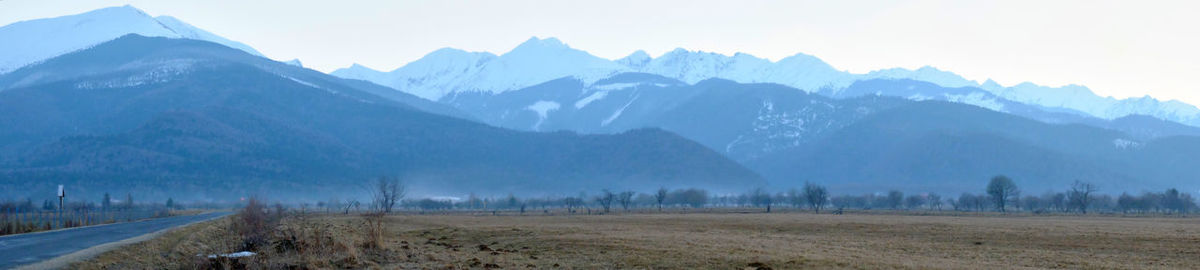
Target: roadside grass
point(732, 239)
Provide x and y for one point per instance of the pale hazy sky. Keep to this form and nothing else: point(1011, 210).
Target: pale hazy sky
point(1118, 48)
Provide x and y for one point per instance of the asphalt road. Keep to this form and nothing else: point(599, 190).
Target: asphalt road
point(21, 249)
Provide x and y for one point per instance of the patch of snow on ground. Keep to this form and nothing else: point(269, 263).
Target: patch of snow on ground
point(232, 255)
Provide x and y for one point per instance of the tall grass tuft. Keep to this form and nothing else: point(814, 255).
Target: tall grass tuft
point(373, 231)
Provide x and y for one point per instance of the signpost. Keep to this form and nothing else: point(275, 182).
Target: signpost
point(62, 193)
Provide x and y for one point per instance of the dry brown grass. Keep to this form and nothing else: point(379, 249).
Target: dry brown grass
point(725, 241)
point(176, 249)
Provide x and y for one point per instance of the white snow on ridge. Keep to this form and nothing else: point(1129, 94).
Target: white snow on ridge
point(32, 41)
point(448, 70)
point(541, 60)
point(185, 30)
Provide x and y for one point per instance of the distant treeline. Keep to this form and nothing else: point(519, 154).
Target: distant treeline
point(1001, 194)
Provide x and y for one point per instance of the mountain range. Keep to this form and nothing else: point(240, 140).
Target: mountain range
point(109, 108)
point(856, 143)
point(449, 70)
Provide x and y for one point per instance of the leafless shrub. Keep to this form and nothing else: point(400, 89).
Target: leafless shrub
point(252, 225)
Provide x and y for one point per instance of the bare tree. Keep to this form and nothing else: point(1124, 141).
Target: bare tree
point(1126, 202)
point(1002, 190)
point(1080, 195)
point(816, 196)
point(660, 196)
point(796, 198)
point(935, 201)
point(605, 199)
point(625, 198)
point(914, 201)
point(695, 198)
point(388, 192)
point(572, 203)
point(1172, 200)
point(894, 199)
point(350, 203)
point(761, 198)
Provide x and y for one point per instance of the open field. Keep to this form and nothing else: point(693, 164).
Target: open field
point(694, 240)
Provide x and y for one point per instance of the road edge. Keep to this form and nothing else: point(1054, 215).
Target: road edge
point(65, 260)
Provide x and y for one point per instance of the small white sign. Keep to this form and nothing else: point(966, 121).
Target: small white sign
point(61, 192)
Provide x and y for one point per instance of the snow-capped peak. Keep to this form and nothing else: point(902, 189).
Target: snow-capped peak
point(449, 70)
point(185, 30)
point(925, 73)
point(31, 41)
point(635, 60)
point(536, 44)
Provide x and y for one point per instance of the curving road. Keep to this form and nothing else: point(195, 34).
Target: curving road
point(22, 249)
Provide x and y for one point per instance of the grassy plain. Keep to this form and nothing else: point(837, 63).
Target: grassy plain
point(713, 240)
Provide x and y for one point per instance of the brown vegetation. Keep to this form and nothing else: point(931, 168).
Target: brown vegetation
point(726, 240)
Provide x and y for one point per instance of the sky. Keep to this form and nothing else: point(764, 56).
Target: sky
point(1117, 48)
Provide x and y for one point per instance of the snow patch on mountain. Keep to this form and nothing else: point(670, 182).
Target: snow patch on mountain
point(590, 98)
point(160, 72)
point(618, 112)
point(1126, 144)
point(977, 99)
point(542, 108)
point(305, 83)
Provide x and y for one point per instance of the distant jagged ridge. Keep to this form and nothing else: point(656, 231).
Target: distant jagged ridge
point(537, 60)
